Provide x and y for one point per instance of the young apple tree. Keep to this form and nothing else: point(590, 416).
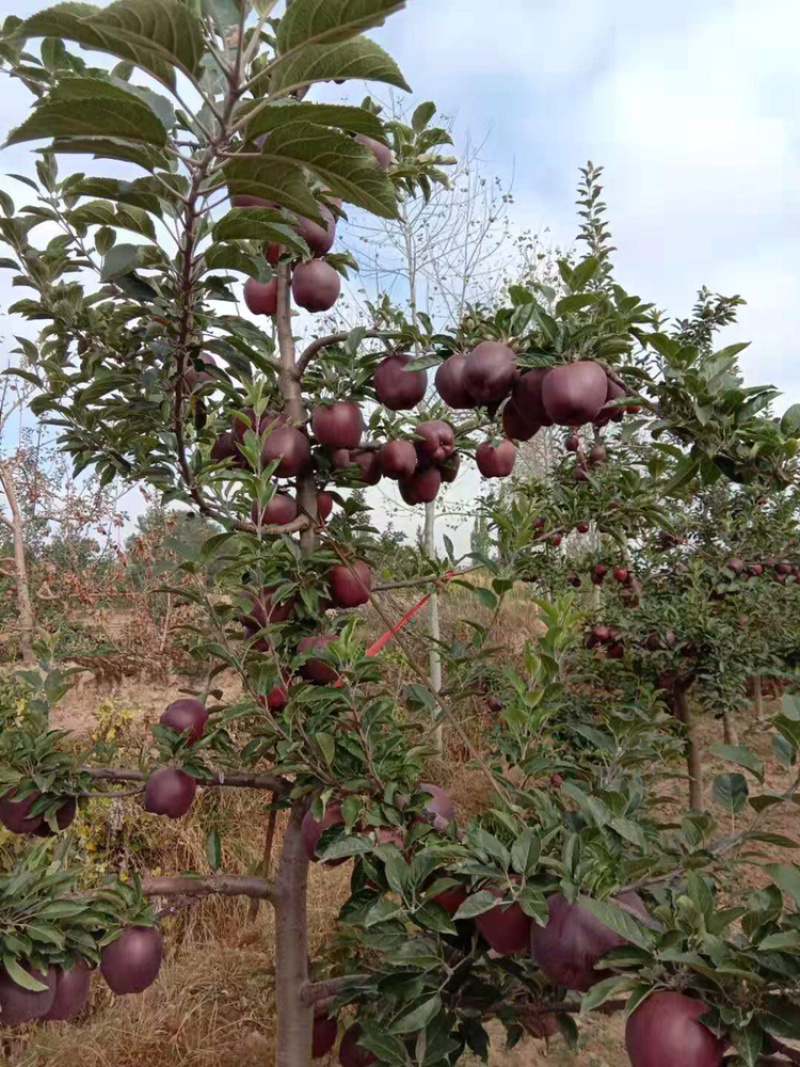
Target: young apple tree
point(568, 893)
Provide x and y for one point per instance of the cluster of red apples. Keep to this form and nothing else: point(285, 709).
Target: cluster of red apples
point(780, 571)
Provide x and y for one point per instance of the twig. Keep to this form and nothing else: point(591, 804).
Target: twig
point(219, 778)
point(336, 339)
point(316, 992)
point(265, 863)
point(227, 885)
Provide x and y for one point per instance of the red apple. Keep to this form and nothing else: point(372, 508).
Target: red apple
point(490, 371)
point(506, 928)
point(72, 993)
point(318, 238)
point(600, 570)
point(350, 587)
point(338, 425)
point(280, 511)
point(572, 443)
point(384, 156)
point(515, 426)
point(735, 564)
point(398, 459)
point(324, 504)
point(277, 698)
point(496, 462)
point(451, 899)
point(261, 299)
point(450, 468)
point(291, 447)
point(15, 814)
point(450, 385)
point(323, 1036)
point(65, 816)
point(437, 440)
point(399, 389)
point(316, 286)
point(572, 942)
point(186, 714)
point(574, 393)
point(608, 414)
point(620, 574)
point(597, 454)
point(313, 829)
point(616, 650)
point(195, 379)
point(601, 633)
point(224, 448)
point(666, 1029)
point(351, 1054)
point(132, 962)
point(169, 791)
point(582, 527)
point(422, 487)
point(574, 581)
point(263, 612)
point(246, 420)
point(19, 1005)
point(316, 670)
point(527, 397)
point(556, 540)
point(369, 463)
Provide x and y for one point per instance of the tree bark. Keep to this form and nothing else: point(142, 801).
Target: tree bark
point(434, 655)
point(758, 702)
point(694, 762)
point(27, 624)
point(729, 727)
point(295, 1017)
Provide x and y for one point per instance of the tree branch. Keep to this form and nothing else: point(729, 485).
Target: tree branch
point(227, 885)
point(316, 992)
point(271, 782)
point(337, 339)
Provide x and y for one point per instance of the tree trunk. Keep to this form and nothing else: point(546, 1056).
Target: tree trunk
point(434, 655)
point(694, 762)
point(758, 702)
point(729, 727)
point(24, 605)
point(295, 1019)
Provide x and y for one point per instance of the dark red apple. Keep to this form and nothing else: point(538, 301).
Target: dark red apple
point(601, 633)
point(338, 425)
point(527, 397)
point(756, 570)
point(574, 393)
point(316, 670)
point(245, 200)
point(263, 612)
point(277, 698)
point(422, 487)
point(186, 714)
point(506, 928)
point(556, 540)
point(72, 993)
point(313, 829)
point(397, 388)
point(246, 420)
point(515, 426)
point(290, 446)
point(572, 443)
point(169, 791)
point(666, 1029)
point(620, 574)
point(261, 299)
point(608, 414)
point(323, 1036)
point(316, 286)
point(572, 942)
point(65, 816)
point(351, 1054)
point(384, 156)
point(370, 466)
point(451, 899)
point(597, 453)
point(582, 527)
point(616, 651)
point(280, 511)
point(581, 473)
point(574, 581)
point(18, 1005)
point(324, 504)
point(340, 459)
point(398, 459)
point(496, 462)
point(450, 468)
point(318, 238)
point(132, 962)
point(541, 1025)
point(490, 372)
point(600, 570)
point(196, 379)
point(350, 587)
point(15, 814)
point(437, 440)
point(224, 448)
point(735, 564)
point(449, 382)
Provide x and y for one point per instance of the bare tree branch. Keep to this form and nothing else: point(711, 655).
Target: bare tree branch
point(227, 885)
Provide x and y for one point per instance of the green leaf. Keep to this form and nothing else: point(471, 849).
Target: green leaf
point(476, 904)
point(156, 35)
point(790, 423)
point(748, 1043)
point(785, 941)
point(121, 259)
point(344, 847)
point(786, 878)
point(345, 166)
point(605, 990)
point(422, 116)
point(324, 21)
point(90, 107)
point(419, 1018)
point(525, 852)
point(741, 756)
point(150, 159)
point(20, 976)
point(139, 193)
point(570, 304)
point(327, 746)
point(214, 850)
point(285, 184)
point(730, 791)
point(352, 119)
point(359, 58)
point(486, 597)
point(618, 920)
point(126, 217)
point(259, 224)
point(584, 272)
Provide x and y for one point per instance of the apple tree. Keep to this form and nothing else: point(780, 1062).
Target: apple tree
point(568, 893)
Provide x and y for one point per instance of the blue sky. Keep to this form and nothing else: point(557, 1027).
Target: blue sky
point(692, 107)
